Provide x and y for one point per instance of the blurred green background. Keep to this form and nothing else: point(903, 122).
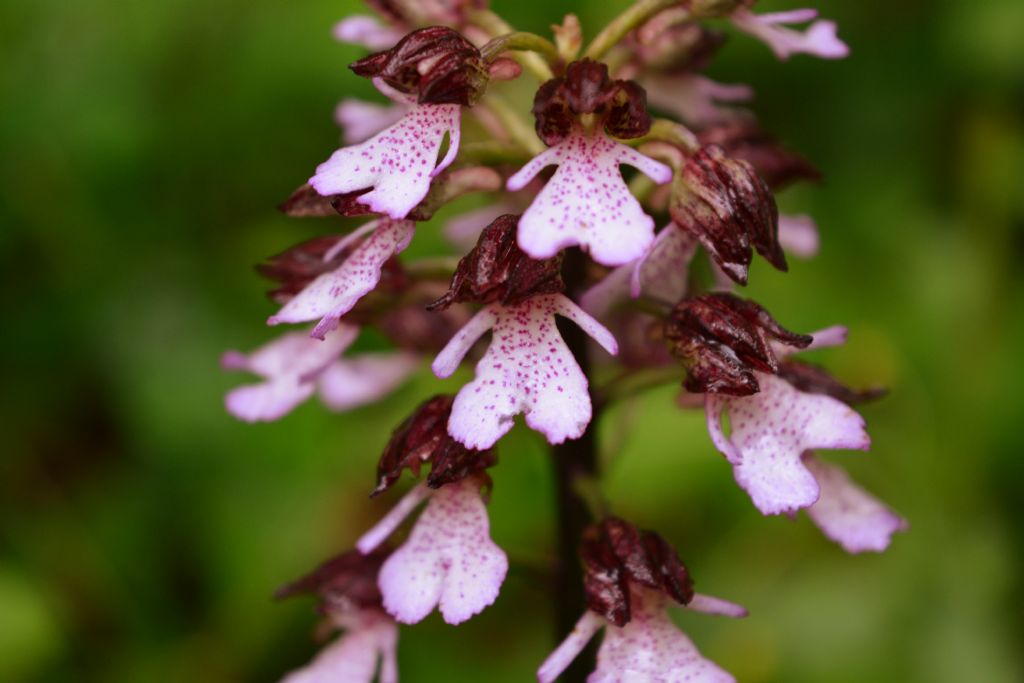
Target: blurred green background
point(143, 147)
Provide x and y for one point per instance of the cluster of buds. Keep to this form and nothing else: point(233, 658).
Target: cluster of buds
point(707, 176)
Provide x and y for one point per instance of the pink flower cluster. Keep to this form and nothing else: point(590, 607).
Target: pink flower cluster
point(578, 243)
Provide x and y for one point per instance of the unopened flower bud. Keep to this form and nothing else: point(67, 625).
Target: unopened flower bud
point(615, 554)
point(435, 65)
point(724, 203)
point(497, 270)
point(723, 339)
point(423, 438)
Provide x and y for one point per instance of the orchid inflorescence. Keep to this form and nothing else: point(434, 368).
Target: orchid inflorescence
point(580, 243)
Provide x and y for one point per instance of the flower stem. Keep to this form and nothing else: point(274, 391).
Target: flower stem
point(637, 14)
point(576, 468)
point(496, 26)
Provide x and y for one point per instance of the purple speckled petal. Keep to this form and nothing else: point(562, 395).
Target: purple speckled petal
point(380, 531)
point(353, 657)
point(526, 369)
point(694, 99)
point(290, 365)
point(819, 39)
point(366, 31)
point(361, 120)
point(770, 430)
point(366, 378)
point(398, 163)
point(570, 648)
point(848, 514)
point(447, 362)
point(650, 648)
point(798, 235)
point(587, 202)
point(448, 560)
point(661, 274)
point(333, 294)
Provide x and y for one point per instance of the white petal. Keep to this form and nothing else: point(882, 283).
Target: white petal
point(366, 378)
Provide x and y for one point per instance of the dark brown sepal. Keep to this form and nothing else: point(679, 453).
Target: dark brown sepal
point(722, 340)
point(423, 438)
point(615, 553)
point(724, 203)
point(497, 270)
point(813, 379)
point(744, 139)
point(436, 65)
point(346, 581)
point(586, 88)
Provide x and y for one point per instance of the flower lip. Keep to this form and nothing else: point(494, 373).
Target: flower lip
point(422, 438)
point(345, 581)
point(615, 554)
point(436, 65)
point(586, 88)
point(496, 270)
point(723, 340)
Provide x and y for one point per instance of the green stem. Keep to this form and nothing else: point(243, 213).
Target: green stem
point(520, 41)
point(496, 26)
point(633, 17)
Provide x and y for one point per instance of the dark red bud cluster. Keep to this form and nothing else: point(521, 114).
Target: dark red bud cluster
point(615, 555)
point(298, 266)
point(423, 438)
point(744, 139)
point(346, 581)
point(724, 203)
point(436, 65)
point(813, 379)
point(497, 270)
point(586, 88)
point(723, 339)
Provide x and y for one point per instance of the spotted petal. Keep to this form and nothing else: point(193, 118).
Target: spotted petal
point(448, 561)
point(526, 369)
point(586, 202)
point(652, 649)
point(848, 514)
point(398, 163)
point(770, 430)
point(332, 295)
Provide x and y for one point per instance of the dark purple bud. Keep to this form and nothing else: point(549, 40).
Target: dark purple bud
point(416, 329)
point(497, 270)
point(347, 581)
point(616, 553)
point(672, 42)
point(723, 203)
point(813, 379)
point(722, 340)
point(746, 140)
point(435, 64)
point(586, 88)
point(423, 438)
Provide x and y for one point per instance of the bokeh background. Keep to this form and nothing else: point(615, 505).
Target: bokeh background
point(143, 147)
